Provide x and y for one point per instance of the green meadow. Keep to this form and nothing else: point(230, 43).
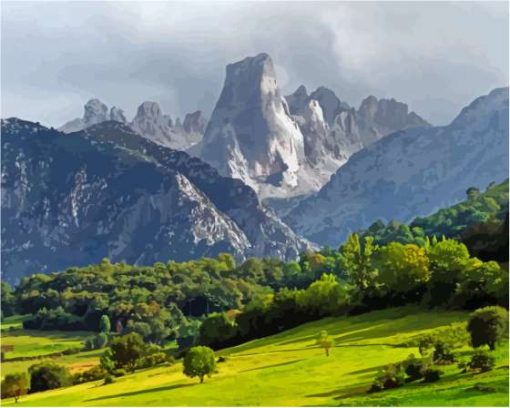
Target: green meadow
point(289, 369)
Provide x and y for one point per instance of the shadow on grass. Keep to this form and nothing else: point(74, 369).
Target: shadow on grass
point(344, 392)
point(272, 366)
point(130, 394)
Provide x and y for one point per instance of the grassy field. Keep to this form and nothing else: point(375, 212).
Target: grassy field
point(40, 344)
point(288, 369)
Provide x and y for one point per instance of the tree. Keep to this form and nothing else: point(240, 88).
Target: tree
point(126, 350)
point(402, 268)
point(8, 305)
point(199, 362)
point(356, 260)
point(324, 341)
point(472, 193)
point(487, 326)
point(324, 296)
point(15, 385)
point(104, 324)
point(47, 376)
point(447, 260)
point(216, 329)
point(106, 361)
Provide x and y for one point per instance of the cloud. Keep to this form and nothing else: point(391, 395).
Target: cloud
point(434, 56)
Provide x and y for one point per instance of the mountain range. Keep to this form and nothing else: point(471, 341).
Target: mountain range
point(411, 172)
point(154, 188)
point(72, 199)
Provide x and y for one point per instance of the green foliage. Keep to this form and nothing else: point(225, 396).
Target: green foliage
point(46, 376)
point(98, 341)
point(109, 379)
point(447, 259)
point(432, 374)
point(15, 385)
point(126, 350)
point(414, 368)
point(8, 300)
point(356, 259)
point(106, 361)
point(154, 359)
point(199, 362)
point(482, 360)
point(443, 353)
point(488, 326)
point(104, 324)
point(216, 329)
point(324, 297)
point(324, 341)
point(402, 268)
point(392, 376)
point(93, 374)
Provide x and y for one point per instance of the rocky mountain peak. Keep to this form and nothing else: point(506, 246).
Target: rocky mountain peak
point(297, 100)
point(117, 115)
point(195, 122)
point(329, 102)
point(95, 112)
point(148, 110)
point(250, 135)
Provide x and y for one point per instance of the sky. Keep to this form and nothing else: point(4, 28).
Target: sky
point(436, 57)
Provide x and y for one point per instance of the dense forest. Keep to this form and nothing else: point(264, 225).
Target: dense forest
point(451, 259)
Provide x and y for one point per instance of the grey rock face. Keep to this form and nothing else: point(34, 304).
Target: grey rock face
point(106, 191)
point(195, 123)
point(95, 112)
point(250, 135)
point(117, 115)
point(149, 121)
point(411, 172)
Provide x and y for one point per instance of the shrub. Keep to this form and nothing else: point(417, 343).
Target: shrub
point(222, 359)
point(119, 372)
point(414, 368)
point(15, 385)
point(96, 342)
point(93, 374)
point(199, 362)
point(482, 360)
point(108, 379)
point(432, 374)
point(392, 376)
point(443, 354)
point(153, 360)
point(46, 376)
point(487, 326)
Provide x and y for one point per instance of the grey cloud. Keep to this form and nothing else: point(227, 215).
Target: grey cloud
point(436, 57)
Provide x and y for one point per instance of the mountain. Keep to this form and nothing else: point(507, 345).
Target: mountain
point(72, 199)
point(289, 146)
point(410, 173)
point(250, 135)
point(149, 122)
point(333, 131)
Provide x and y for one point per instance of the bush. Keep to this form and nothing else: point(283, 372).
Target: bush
point(46, 376)
point(93, 374)
point(442, 354)
point(414, 368)
point(119, 372)
point(153, 360)
point(482, 361)
point(431, 374)
point(392, 376)
point(488, 326)
point(108, 379)
point(96, 342)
